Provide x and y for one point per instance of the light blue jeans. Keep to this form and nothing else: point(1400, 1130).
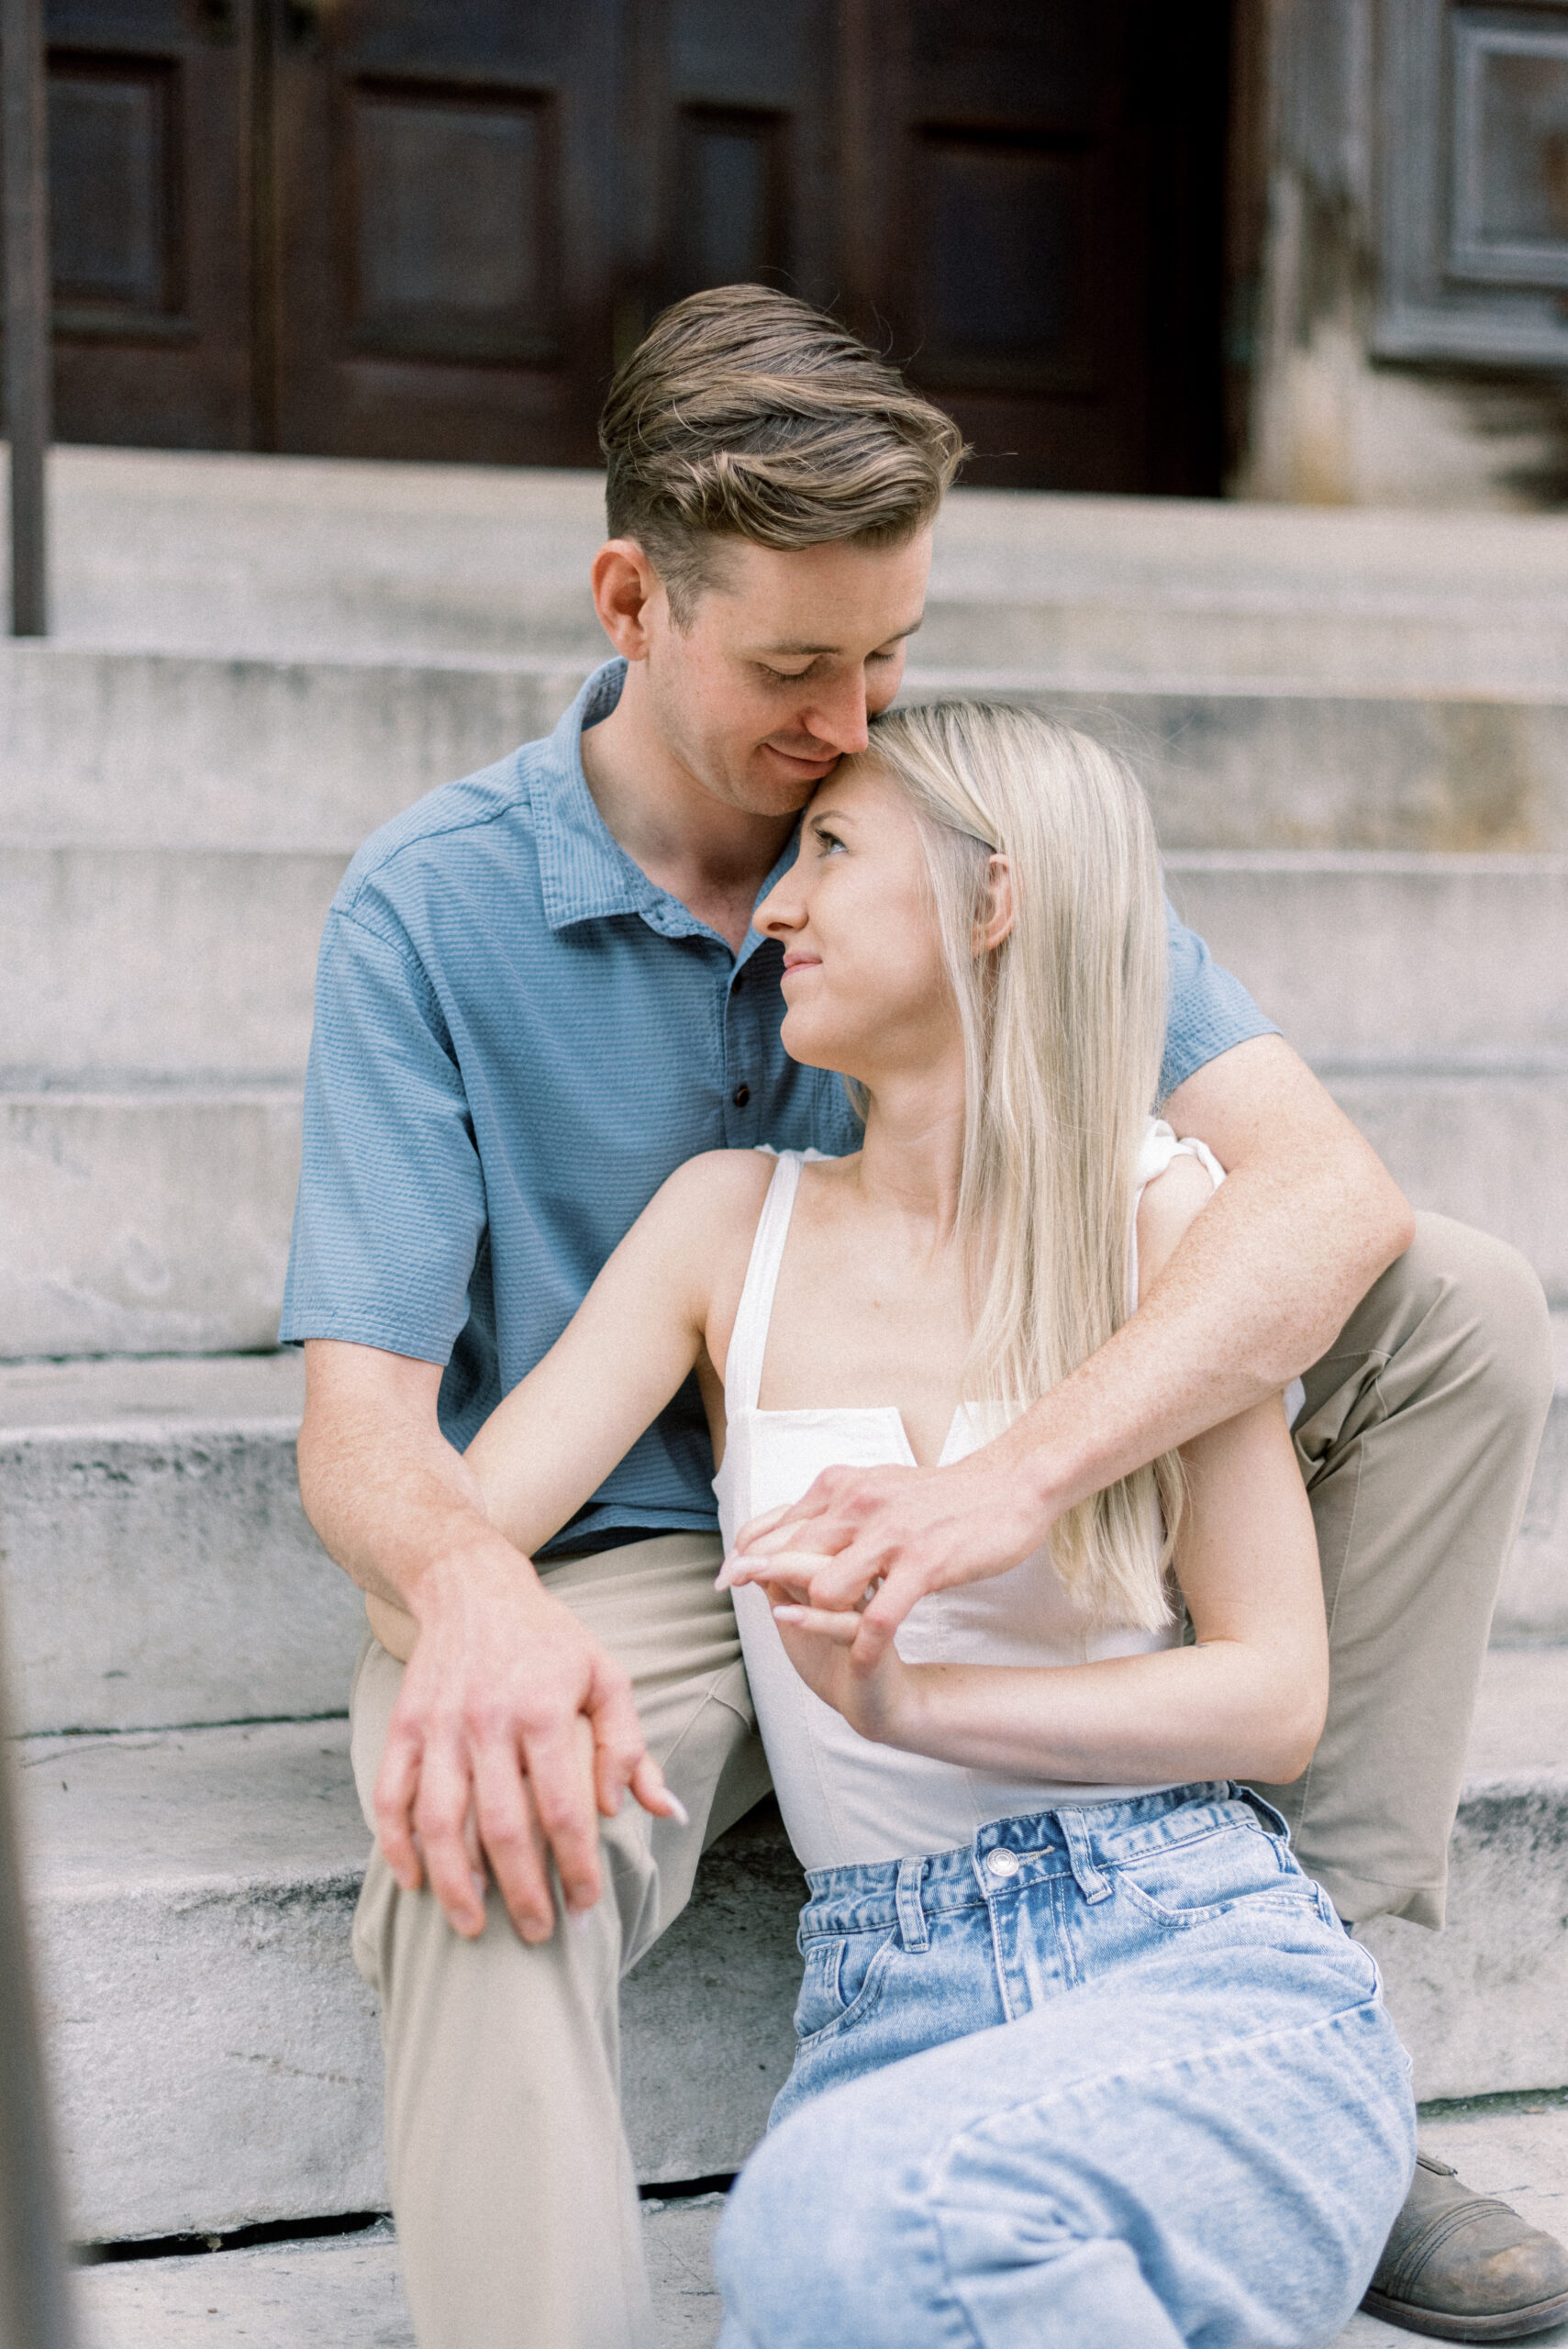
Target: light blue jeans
point(1112, 2078)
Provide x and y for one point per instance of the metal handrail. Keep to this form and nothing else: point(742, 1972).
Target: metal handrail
point(35, 2291)
point(24, 229)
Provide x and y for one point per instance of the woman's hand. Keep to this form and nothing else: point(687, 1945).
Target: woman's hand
point(873, 1698)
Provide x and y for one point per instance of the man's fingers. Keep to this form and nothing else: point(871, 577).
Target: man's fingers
point(440, 1813)
point(619, 1746)
point(513, 1845)
point(397, 1783)
point(560, 1771)
point(648, 1784)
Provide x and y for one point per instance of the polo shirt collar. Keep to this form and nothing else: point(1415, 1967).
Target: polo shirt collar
point(585, 872)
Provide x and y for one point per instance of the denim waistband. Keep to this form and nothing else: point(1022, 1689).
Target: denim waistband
point(1080, 1841)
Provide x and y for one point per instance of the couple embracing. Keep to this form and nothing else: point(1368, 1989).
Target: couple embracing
point(1105, 1501)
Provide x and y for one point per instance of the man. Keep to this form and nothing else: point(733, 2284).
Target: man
point(540, 992)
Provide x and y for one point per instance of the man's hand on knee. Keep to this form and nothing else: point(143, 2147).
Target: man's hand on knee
point(514, 1731)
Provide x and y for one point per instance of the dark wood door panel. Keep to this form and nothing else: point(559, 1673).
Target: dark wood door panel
point(445, 191)
point(149, 115)
point(429, 228)
point(1024, 159)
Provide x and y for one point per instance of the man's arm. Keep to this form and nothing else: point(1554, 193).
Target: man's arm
point(1259, 1287)
point(514, 1726)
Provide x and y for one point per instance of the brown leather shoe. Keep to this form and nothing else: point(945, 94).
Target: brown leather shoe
point(1463, 2267)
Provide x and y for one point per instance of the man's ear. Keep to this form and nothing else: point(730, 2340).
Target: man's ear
point(625, 586)
point(996, 920)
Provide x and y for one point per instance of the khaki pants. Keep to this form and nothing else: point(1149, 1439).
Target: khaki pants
point(511, 2181)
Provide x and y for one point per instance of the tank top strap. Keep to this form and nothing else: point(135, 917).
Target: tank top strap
point(749, 1339)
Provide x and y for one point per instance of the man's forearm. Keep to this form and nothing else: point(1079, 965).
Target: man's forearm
point(1260, 1287)
point(390, 1500)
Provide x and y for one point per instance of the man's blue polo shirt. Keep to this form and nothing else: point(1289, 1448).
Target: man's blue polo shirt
point(517, 1038)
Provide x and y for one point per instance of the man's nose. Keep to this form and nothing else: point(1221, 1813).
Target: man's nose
point(838, 715)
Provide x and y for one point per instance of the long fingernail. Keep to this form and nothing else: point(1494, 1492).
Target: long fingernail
point(676, 1809)
point(578, 1918)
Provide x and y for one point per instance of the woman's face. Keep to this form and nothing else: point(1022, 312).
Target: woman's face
point(864, 982)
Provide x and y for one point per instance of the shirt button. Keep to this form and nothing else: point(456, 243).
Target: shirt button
point(742, 1095)
point(1001, 1864)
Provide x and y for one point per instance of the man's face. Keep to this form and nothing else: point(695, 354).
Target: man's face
point(783, 660)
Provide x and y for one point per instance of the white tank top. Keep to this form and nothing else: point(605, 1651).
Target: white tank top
point(846, 1800)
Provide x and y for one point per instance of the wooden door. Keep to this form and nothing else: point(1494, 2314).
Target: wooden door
point(148, 131)
point(443, 179)
point(430, 227)
point(1032, 210)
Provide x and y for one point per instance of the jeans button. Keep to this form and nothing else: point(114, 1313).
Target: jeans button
point(1001, 1864)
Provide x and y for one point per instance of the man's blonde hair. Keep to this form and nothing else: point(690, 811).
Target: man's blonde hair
point(746, 414)
point(1063, 1030)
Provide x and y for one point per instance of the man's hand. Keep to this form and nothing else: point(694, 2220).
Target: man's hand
point(513, 1732)
point(879, 1539)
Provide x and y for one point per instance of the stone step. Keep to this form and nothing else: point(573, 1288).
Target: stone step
point(143, 748)
point(158, 1571)
point(154, 1217)
point(216, 2057)
point(146, 1219)
point(291, 557)
point(344, 2292)
point(192, 1895)
point(186, 961)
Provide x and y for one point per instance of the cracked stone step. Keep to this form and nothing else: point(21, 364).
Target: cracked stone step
point(215, 2055)
point(187, 961)
point(344, 2293)
point(159, 1572)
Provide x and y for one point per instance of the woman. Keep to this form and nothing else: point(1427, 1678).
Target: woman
point(1083, 2057)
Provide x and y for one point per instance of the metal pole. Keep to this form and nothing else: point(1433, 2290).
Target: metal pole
point(24, 215)
point(35, 2304)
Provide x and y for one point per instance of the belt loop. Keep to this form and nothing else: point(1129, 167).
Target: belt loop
point(912, 1930)
point(1089, 1879)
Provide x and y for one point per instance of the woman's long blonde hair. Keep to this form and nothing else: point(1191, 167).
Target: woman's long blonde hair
point(1063, 1025)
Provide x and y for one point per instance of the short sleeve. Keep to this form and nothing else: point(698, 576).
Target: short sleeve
point(1207, 1011)
point(391, 1208)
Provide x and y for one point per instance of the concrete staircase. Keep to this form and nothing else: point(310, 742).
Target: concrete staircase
point(1348, 726)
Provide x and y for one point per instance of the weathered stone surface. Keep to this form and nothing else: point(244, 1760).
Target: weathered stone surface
point(163, 748)
point(1487, 1147)
point(158, 1569)
point(145, 1221)
point(1379, 959)
point(1363, 957)
point(291, 557)
point(156, 1219)
point(216, 2055)
point(173, 962)
point(344, 2294)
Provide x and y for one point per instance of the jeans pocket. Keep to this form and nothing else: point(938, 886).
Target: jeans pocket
point(843, 1975)
point(1185, 1883)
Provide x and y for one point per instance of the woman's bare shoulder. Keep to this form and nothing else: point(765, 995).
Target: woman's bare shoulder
point(1169, 1205)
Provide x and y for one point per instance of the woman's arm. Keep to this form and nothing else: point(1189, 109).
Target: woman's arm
point(633, 1342)
point(1246, 1701)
